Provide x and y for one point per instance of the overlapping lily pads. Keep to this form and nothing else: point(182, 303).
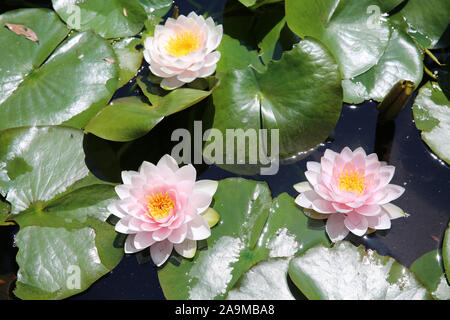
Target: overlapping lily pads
point(129, 52)
point(424, 21)
point(346, 272)
point(300, 95)
point(354, 31)
point(61, 90)
point(109, 19)
point(65, 243)
point(432, 116)
point(402, 60)
point(127, 119)
point(252, 229)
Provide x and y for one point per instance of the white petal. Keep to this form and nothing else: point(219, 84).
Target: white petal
point(394, 211)
point(188, 76)
point(186, 172)
point(198, 229)
point(160, 252)
point(302, 186)
point(171, 83)
point(129, 244)
point(122, 226)
point(187, 248)
point(168, 162)
point(143, 240)
point(212, 58)
point(207, 186)
point(207, 71)
point(116, 210)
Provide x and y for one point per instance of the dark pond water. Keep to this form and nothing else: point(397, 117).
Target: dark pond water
point(425, 178)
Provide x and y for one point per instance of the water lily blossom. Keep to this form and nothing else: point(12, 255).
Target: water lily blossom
point(351, 190)
point(161, 207)
point(183, 50)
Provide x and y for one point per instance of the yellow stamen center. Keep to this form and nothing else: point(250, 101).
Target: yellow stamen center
point(183, 44)
point(351, 180)
point(159, 205)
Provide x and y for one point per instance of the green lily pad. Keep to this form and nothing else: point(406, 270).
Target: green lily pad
point(432, 115)
point(157, 8)
point(20, 56)
point(129, 52)
point(300, 95)
point(61, 210)
point(424, 21)
point(109, 19)
point(5, 210)
point(127, 119)
point(235, 56)
point(63, 89)
point(402, 60)
point(446, 252)
point(429, 269)
point(356, 35)
point(268, 44)
point(268, 280)
point(346, 272)
point(252, 229)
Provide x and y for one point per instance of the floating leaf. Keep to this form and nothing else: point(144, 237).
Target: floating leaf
point(106, 18)
point(63, 89)
point(432, 115)
point(5, 209)
point(129, 118)
point(157, 8)
point(268, 280)
point(355, 34)
point(300, 95)
point(424, 21)
point(19, 57)
point(235, 56)
point(268, 44)
point(402, 60)
point(61, 210)
point(23, 30)
point(130, 58)
point(345, 272)
point(252, 229)
point(429, 269)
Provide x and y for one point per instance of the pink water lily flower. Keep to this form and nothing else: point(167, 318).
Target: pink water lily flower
point(161, 207)
point(183, 50)
point(352, 191)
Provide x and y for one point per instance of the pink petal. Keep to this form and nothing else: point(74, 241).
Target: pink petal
point(126, 176)
point(143, 240)
point(313, 166)
point(380, 222)
point(198, 229)
point(160, 252)
point(116, 210)
point(336, 228)
point(356, 223)
point(161, 234)
point(392, 192)
point(330, 155)
point(171, 83)
point(178, 235)
point(341, 207)
point(369, 210)
point(187, 172)
point(122, 226)
point(326, 165)
point(312, 177)
point(123, 191)
point(168, 162)
point(323, 206)
point(347, 154)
